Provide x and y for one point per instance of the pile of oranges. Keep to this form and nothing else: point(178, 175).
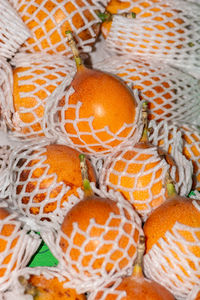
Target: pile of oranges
point(103, 135)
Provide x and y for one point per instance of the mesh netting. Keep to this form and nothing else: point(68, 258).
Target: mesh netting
point(189, 145)
point(36, 189)
point(35, 76)
point(17, 247)
point(81, 134)
point(17, 289)
point(4, 172)
point(13, 31)
point(108, 291)
point(114, 250)
point(48, 20)
point(169, 137)
point(174, 259)
point(172, 94)
point(140, 172)
point(195, 293)
point(6, 87)
point(168, 31)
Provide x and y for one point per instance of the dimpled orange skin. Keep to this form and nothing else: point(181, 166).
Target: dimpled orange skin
point(52, 289)
point(107, 99)
point(143, 180)
point(48, 37)
point(6, 231)
point(99, 209)
point(31, 102)
point(62, 161)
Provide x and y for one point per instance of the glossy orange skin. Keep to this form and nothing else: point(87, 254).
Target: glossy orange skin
point(54, 20)
point(62, 161)
point(104, 97)
point(176, 209)
point(139, 288)
point(52, 289)
point(134, 168)
point(99, 209)
point(34, 90)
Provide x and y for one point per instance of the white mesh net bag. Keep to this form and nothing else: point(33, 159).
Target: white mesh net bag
point(163, 30)
point(48, 20)
point(22, 287)
point(34, 78)
point(13, 32)
point(174, 258)
point(6, 87)
point(109, 291)
point(189, 145)
point(195, 293)
point(101, 249)
point(17, 246)
point(139, 172)
point(44, 182)
point(172, 94)
point(69, 123)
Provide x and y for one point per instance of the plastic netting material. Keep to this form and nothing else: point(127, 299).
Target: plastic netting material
point(109, 291)
point(172, 94)
point(13, 31)
point(17, 290)
point(48, 20)
point(36, 76)
point(87, 276)
point(6, 86)
point(89, 140)
point(189, 144)
point(194, 293)
point(163, 30)
point(17, 248)
point(35, 191)
point(139, 173)
point(174, 266)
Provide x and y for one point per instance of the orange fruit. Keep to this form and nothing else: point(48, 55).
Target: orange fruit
point(98, 238)
point(157, 83)
point(46, 176)
point(48, 20)
point(190, 147)
point(197, 296)
point(7, 230)
point(34, 80)
point(173, 245)
point(135, 286)
point(16, 247)
point(90, 115)
point(157, 28)
point(138, 172)
point(42, 288)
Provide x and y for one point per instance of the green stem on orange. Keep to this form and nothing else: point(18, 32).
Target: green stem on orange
point(107, 16)
point(72, 44)
point(84, 173)
point(170, 187)
point(145, 137)
point(137, 268)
